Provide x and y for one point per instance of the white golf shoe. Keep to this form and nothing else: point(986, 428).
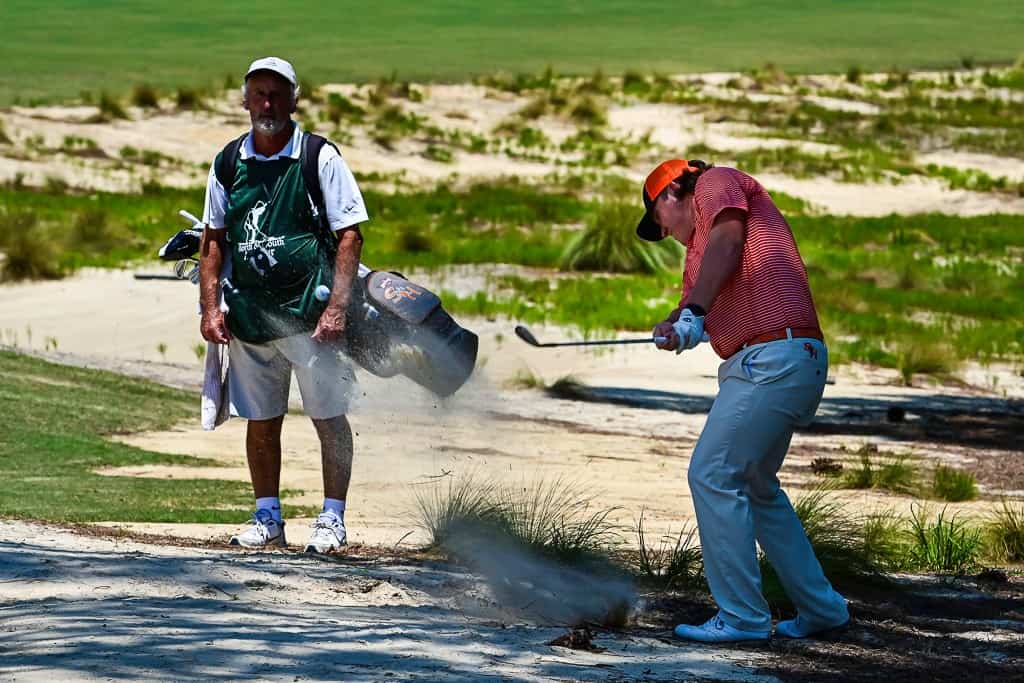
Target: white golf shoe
point(264, 532)
point(801, 628)
point(715, 630)
point(328, 534)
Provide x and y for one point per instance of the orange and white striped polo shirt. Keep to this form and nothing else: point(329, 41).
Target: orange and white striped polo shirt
point(769, 291)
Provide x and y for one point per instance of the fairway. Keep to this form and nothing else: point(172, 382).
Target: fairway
point(77, 47)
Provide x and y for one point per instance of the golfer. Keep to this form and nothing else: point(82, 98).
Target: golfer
point(745, 285)
point(264, 223)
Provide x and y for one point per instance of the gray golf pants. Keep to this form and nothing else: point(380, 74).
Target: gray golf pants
point(765, 392)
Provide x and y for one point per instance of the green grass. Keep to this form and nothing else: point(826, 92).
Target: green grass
point(53, 438)
point(675, 562)
point(917, 293)
point(948, 544)
point(897, 475)
point(608, 245)
point(555, 519)
point(111, 45)
point(953, 485)
point(1004, 532)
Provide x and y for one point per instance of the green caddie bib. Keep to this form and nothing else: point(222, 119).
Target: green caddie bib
point(279, 254)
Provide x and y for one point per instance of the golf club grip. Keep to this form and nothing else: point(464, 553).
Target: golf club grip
point(189, 217)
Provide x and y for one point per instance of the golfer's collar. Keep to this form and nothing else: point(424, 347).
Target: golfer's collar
point(293, 148)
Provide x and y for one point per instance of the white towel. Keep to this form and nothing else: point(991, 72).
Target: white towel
point(215, 404)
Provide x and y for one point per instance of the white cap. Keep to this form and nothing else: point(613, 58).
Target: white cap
point(275, 64)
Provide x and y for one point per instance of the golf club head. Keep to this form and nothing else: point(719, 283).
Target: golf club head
point(183, 244)
point(523, 333)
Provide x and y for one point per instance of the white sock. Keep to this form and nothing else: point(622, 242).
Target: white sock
point(336, 506)
point(272, 504)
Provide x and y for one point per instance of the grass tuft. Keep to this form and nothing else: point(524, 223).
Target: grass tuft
point(675, 563)
point(145, 96)
point(555, 519)
point(609, 243)
point(954, 485)
point(28, 252)
point(945, 544)
point(898, 475)
point(1004, 532)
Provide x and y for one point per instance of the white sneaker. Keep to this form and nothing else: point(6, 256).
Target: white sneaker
point(800, 628)
point(715, 630)
point(328, 534)
point(264, 532)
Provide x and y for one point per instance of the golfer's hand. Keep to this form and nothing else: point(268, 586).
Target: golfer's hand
point(331, 326)
point(689, 330)
point(664, 329)
point(214, 327)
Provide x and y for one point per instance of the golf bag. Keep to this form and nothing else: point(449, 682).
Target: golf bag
point(393, 326)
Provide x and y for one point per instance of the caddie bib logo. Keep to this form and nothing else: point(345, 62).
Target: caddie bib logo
point(258, 247)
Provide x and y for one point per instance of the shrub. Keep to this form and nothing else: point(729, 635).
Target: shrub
point(943, 545)
point(609, 243)
point(853, 74)
point(1005, 532)
point(954, 485)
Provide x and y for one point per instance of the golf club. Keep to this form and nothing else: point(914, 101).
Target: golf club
point(523, 333)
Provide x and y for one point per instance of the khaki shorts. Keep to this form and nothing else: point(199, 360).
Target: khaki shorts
point(259, 377)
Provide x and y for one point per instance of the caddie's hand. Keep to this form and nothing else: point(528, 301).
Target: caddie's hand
point(689, 330)
point(331, 326)
point(664, 329)
point(214, 327)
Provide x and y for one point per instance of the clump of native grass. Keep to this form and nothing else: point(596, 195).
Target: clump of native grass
point(917, 354)
point(29, 253)
point(953, 485)
point(609, 243)
point(550, 518)
point(948, 544)
point(1004, 532)
point(898, 474)
point(675, 562)
point(145, 96)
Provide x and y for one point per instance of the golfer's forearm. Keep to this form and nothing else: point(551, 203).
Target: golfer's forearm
point(346, 265)
point(211, 258)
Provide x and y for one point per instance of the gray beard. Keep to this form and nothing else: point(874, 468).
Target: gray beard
point(270, 127)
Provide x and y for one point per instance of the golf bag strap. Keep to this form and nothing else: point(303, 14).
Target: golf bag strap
point(309, 162)
point(227, 163)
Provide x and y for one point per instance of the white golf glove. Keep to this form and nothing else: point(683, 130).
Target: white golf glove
point(690, 330)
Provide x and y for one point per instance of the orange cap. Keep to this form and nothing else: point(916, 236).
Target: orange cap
point(657, 180)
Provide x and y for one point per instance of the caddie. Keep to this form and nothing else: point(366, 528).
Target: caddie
point(746, 286)
point(272, 236)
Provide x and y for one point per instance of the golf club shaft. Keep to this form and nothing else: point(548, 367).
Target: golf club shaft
point(189, 217)
point(606, 342)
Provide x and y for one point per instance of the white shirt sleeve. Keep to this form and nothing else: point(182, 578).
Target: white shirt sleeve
point(216, 203)
point(342, 198)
